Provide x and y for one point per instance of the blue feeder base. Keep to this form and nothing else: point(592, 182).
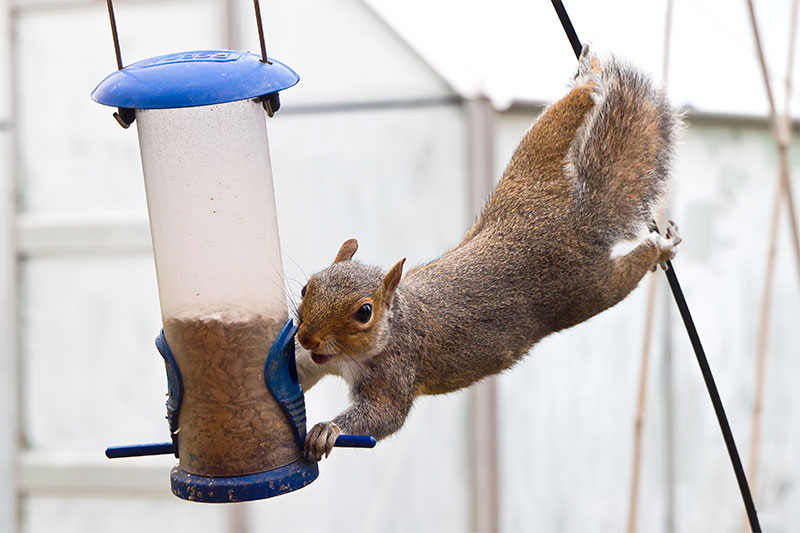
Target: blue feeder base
point(259, 486)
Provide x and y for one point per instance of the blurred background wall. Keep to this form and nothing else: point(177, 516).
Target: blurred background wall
point(405, 116)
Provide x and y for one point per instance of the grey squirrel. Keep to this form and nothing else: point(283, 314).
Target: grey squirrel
point(586, 176)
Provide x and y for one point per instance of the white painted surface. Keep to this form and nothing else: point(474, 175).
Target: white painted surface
point(117, 233)
point(8, 290)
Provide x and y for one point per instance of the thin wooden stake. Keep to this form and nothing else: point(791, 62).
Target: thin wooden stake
point(641, 402)
point(782, 132)
point(761, 349)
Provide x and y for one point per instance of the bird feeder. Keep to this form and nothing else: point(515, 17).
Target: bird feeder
point(236, 410)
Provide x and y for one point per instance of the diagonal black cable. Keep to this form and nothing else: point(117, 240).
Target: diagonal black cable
point(683, 307)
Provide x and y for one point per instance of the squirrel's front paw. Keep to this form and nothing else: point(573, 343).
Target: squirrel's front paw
point(666, 246)
point(320, 440)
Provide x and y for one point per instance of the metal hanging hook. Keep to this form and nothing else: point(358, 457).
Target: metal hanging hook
point(123, 116)
point(114, 34)
point(264, 58)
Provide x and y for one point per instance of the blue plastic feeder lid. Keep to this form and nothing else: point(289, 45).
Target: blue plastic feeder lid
point(190, 79)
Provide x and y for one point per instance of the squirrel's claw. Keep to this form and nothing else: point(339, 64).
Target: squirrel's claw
point(320, 440)
point(667, 246)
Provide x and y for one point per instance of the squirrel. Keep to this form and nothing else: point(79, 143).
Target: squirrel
point(586, 176)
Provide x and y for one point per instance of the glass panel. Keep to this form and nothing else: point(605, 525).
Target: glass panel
point(72, 154)
point(91, 374)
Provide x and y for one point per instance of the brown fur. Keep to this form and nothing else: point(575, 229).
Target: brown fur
point(536, 261)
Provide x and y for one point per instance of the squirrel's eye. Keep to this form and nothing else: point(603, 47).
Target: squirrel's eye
point(364, 313)
point(303, 291)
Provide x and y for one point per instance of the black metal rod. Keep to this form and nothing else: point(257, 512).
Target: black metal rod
point(708, 377)
point(261, 33)
point(568, 28)
point(694, 337)
point(114, 33)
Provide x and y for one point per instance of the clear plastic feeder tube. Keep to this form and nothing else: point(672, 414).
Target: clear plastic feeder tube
point(214, 228)
point(212, 209)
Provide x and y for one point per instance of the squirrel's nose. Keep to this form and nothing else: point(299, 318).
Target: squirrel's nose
point(307, 340)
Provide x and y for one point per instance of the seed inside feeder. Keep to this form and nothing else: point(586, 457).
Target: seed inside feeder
point(229, 424)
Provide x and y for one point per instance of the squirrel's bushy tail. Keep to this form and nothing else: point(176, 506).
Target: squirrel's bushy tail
point(620, 159)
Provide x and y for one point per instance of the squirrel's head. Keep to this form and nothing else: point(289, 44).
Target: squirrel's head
point(344, 311)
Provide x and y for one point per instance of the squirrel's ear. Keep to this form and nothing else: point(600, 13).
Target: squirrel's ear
point(347, 251)
point(392, 278)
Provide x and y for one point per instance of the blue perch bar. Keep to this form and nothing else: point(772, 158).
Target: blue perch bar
point(164, 448)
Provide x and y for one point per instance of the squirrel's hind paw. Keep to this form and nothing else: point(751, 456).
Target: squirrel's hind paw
point(320, 440)
point(666, 246)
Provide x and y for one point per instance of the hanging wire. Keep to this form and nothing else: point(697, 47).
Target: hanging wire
point(261, 41)
point(114, 33)
point(694, 337)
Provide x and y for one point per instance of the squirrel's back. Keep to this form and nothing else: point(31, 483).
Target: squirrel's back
point(585, 176)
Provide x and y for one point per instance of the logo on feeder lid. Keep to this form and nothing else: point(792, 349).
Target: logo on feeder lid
point(207, 55)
